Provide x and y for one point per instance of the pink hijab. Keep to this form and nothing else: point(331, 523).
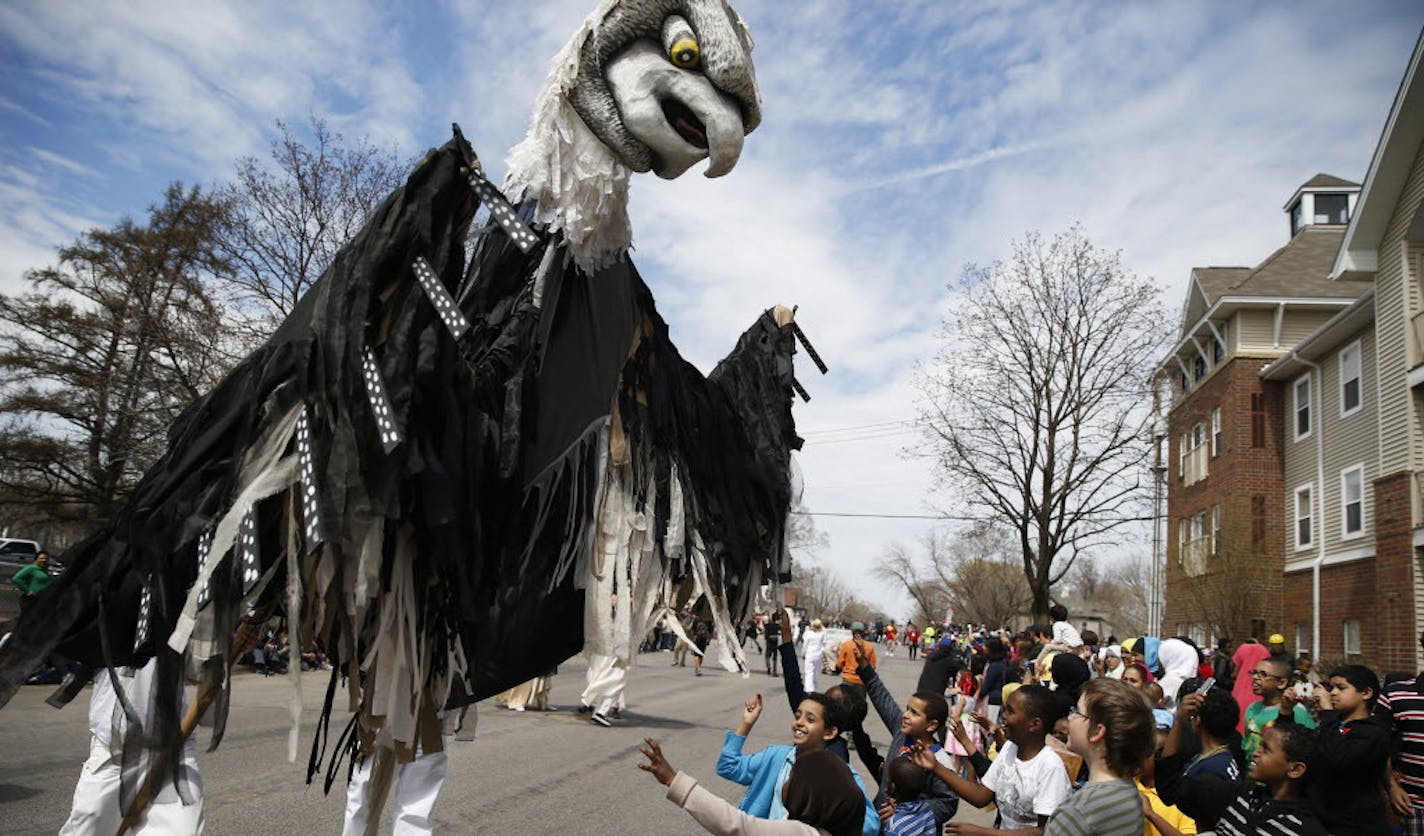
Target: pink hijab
point(1245, 658)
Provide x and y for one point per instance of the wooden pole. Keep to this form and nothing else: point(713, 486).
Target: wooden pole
point(205, 697)
point(206, 694)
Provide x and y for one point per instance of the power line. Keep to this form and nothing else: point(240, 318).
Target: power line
point(944, 517)
point(882, 516)
point(858, 427)
point(872, 436)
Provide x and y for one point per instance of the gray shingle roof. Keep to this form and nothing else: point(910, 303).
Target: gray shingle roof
point(1301, 268)
point(1327, 181)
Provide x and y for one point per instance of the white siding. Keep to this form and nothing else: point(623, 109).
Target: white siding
point(1254, 328)
point(1396, 298)
point(1348, 441)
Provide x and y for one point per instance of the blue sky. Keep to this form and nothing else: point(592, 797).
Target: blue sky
point(901, 141)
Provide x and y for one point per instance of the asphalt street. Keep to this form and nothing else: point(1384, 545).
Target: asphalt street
point(525, 773)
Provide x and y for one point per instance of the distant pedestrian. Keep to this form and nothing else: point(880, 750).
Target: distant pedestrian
point(701, 636)
point(750, 635)
point(848, 662)
point(33, 579)
point(773, 638)
point(814, 647)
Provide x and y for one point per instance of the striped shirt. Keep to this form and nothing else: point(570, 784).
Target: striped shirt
point(911, 818)
point(1402, 705)
point(1104, 808)
point(1254, 813)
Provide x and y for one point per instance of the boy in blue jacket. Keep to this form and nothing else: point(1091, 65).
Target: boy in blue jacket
point(922, 721)
point(764, 772)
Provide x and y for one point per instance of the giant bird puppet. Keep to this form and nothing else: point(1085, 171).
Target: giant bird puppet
point(441, 454)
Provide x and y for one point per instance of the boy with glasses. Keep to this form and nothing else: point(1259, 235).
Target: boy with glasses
point(1269, 679)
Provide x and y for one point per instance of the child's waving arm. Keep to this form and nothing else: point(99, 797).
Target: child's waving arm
point(751, 712)
point(972, 791)
point(731, 763)
point(885, 705)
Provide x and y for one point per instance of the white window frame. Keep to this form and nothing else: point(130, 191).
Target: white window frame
point(1345, 532)
point(1302, 381)
point(1182, 451)
point(1215, 529)
point(1302, 636)
point(1356, 351)
point(1309, 490)
point(1351, 644)
point(1215, 431)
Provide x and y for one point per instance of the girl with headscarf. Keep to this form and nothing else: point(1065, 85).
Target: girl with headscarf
point(1143, 651)
point(1111, 657)
point(820, 796)
point(1179, 663)
point(1245, 659)
point(1070, 673)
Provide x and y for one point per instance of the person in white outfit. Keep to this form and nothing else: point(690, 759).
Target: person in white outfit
point(607, 677)
point(815, 643)
point(414, 788)
point(97, 807)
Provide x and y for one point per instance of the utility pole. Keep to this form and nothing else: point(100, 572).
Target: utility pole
point(1157, 599)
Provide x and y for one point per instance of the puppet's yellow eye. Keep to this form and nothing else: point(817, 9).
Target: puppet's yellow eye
point(680, 41)
point(685, 53)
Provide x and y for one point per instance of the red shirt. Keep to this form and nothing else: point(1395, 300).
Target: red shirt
point(913, 637)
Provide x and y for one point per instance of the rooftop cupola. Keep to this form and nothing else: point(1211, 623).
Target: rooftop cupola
point(1322, 201)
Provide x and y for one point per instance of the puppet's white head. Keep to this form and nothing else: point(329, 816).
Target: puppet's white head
point(645, 85)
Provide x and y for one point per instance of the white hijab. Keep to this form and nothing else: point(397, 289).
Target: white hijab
point(1179, 663)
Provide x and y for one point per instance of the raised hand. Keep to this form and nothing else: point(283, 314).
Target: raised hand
point(921, 756)
point(751, 712)
point(784, 619)
point(1189, 706)
point(1322, 697)
point(960, 733)
point(657, 764)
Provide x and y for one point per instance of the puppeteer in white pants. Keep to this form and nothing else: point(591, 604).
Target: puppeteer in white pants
point(97, 807)
point(607, 677)
point(414, 788)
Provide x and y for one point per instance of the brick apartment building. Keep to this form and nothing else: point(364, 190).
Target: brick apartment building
point(1294, 501)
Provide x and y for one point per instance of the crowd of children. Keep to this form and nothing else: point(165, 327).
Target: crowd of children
point(1144, 736)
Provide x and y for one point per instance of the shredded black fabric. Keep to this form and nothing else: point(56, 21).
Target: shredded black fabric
point(493, 485)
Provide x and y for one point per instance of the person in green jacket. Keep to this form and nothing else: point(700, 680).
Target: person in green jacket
point(32, 580)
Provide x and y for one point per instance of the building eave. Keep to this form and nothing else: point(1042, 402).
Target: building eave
point(1227, 305)
point(1389, 169)
point(1322, 339)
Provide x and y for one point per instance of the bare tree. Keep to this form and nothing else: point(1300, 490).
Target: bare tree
point(920, 576)
point(804, 538)
point(1086, 577)
point(822, 592)
point(293, 213)
point(987, 585)
point(1124, 594)
point(1036, 398)
point(110, 346)
point(974, 573)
